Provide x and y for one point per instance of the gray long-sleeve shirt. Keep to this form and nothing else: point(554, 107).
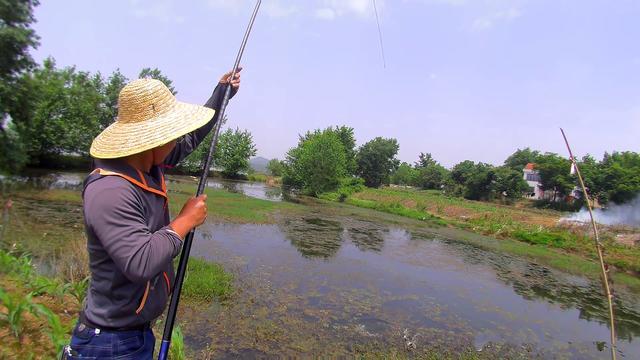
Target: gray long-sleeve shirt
point(130, 244)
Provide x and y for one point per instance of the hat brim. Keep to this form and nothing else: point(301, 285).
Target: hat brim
point(124, 139)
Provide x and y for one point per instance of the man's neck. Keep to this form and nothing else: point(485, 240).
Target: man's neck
point(142, 161)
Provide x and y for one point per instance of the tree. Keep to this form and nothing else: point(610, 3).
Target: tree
point(111, 91)
point(155, 73)
point(347, 138)
point(521, 157)
point(377, 160)
point(317, 164)
point(275, 167)
point(429, 173)
point(16, 38)
point(235, 147)
point(619, 179)
point(509, 183)
point(64, 112)
point(405, 174)
point(555, 175)
point(462, 171)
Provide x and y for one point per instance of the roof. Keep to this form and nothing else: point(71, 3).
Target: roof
point(530, 166)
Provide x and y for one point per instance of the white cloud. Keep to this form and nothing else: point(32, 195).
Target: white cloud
point(159, 10)
point(488, 21)
point(325, 14)
point(330, 9)
point(271, 8)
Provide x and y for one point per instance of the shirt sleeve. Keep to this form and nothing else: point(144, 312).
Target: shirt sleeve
point(116, 217)
point(189, 142)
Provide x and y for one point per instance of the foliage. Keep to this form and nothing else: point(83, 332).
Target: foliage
point(619, 179)
point(348, 140)
point(111, 92)
point(405, 175)
point(509, 183)
point(317, 164)
point(429, 173)
point(555, 175)
point(155, 73)
point(64, 110)
point(377, 160)
point(16, 308)
point(348, 186)
point(176, 351)
point(205, 281)
point(275, 167)
point(521, 157)
point(57, 332)
point(235, 147)
point(480, 181)
point(16, 38)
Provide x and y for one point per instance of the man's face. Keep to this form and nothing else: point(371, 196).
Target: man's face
point(161, 152)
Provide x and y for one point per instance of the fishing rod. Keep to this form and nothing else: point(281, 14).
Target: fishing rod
point(603, 267)
point(186, 247)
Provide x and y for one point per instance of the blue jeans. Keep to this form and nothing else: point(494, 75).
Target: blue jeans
point(89, 343)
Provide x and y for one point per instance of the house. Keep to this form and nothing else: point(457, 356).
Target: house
point(532, 177)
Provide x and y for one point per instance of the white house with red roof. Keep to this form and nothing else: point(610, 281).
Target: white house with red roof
point(532, 178)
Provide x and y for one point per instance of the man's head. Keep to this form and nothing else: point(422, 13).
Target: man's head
point(149, 121)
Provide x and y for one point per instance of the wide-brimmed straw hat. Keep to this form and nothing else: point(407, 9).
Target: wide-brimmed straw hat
point(148, 116)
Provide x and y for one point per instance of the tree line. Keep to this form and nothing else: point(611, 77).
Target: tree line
point(50, 115)
point(327, 160)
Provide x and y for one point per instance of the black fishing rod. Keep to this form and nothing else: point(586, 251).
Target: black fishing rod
point(186, 247)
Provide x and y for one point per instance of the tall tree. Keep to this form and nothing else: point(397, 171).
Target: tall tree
point(64, 112)
point(555, 175)
point(317, 164)
point(235, 148)
point(405, 174)
point(155, 73)
point(377, 160)
point(429, 173)
point(348, 140)
point(521, 157)
point(508, 183)
point(16, 38)
point(275, 167)
point(114, 84)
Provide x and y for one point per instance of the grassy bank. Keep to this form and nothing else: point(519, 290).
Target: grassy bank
point(228, 206)
point(43, 267)
point(538, 232)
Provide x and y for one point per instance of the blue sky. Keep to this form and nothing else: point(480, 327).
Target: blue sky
point(464, 79)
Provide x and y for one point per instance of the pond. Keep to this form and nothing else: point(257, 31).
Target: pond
point(330, 284)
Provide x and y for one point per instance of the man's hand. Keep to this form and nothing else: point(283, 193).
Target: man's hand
point(235, 82)
point(193, 213)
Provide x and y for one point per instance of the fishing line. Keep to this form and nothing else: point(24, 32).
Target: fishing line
point(375, 10)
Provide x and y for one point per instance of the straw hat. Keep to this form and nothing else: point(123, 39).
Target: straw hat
point(148, 116)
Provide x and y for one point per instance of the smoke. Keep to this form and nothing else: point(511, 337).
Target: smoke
point(624, 214)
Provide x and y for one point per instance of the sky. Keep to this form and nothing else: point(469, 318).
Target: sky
point(462, 79)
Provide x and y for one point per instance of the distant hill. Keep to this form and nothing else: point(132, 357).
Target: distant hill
point(259, 164)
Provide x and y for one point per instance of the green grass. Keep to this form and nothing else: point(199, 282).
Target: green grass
point(228, 206)
point(397, 209)
point(206, 281)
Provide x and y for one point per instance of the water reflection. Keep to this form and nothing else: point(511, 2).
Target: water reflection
point(314, 237)
point(536, 282)
point(366, 291)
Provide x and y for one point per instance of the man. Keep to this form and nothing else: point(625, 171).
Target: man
point(131, 240)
